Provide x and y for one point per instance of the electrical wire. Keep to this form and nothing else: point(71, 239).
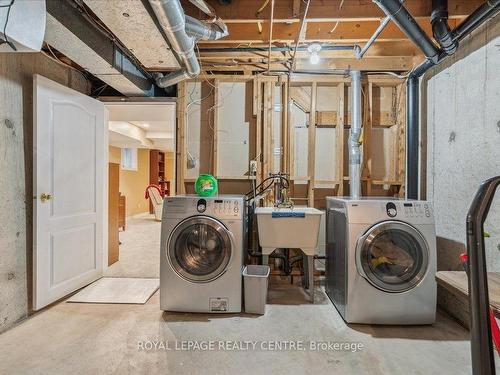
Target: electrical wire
point(338, 22)
point(263, 6)
point(6, 38)
point(54, 57)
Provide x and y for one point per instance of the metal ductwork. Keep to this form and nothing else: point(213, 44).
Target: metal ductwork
point(182, 33)
point(407, 24)
point(201, 30)
point(440, 28)
point(355, 136)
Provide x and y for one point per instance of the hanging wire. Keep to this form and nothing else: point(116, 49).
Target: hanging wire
point(6, 38)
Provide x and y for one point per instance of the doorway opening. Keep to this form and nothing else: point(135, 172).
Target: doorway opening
point(141, 172)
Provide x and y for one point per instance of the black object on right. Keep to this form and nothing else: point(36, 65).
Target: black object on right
point(483, 362)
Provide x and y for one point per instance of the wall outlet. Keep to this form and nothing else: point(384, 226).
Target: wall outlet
point(253, 167)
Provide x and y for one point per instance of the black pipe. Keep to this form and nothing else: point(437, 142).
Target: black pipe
point(412, 132)
point(476, 18)
point(440, 28)
point(483, 361)
point(401, 17)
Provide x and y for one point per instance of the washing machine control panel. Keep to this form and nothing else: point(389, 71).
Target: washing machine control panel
point(416, 210)
point(223, 208)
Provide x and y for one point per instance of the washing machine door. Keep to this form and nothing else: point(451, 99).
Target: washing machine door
point(393, 256)
point(199, 249)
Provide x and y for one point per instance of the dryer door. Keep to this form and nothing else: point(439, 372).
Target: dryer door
point(199, 249)
point(393, 256)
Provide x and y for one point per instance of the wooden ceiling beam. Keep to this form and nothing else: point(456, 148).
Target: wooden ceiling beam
point(324, 10)
point(396, 48)
point(352, 32)
point(395, 63)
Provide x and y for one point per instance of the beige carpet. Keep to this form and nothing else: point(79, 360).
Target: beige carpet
point(139, 249)
point(117, 290)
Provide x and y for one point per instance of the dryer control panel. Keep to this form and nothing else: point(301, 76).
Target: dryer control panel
point(372, 210)
point(223, 208)
point(417, 209)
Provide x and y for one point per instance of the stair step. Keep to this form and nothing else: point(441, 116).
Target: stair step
point(456, 282)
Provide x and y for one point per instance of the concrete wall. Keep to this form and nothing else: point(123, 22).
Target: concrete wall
point(462, 99)
point(16, 166)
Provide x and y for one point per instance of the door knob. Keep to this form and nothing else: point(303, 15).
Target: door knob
point(45, 197)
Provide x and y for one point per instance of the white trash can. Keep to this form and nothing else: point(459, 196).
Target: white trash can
point(255, 280)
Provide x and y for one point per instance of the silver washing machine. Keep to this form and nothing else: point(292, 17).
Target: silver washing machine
point(381, 260)
point(202, 254)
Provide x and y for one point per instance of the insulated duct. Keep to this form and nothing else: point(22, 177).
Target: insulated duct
point(355, 135)
point(407, 24)
point(182, 33)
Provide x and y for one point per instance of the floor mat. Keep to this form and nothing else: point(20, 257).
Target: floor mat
point(117, 290)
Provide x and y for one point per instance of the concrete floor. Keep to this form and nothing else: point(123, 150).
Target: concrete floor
point(107, 339)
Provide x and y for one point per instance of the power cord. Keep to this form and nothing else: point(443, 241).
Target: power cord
point(6, 39)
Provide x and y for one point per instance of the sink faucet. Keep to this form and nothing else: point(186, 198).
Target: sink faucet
point(280, 187)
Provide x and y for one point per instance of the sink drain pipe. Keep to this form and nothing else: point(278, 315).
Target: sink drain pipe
point(355, 136)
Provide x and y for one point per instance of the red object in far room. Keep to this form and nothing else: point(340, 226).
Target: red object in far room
point(146, 193)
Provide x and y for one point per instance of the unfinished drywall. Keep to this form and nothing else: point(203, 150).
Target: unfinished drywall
point(16, 166)
point(463, 141)
point(199, 128)
point(326, 137)
point(299, 121)
point(233, 130)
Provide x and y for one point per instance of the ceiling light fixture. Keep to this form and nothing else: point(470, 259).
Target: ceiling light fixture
point(314, 49)
point(146, 125)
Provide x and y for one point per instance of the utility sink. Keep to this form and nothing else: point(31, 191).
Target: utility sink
point(296, 227)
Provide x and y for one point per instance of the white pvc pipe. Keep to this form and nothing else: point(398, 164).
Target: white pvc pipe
point(355, 135)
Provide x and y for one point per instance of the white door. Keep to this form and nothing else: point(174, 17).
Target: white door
point(70, 178)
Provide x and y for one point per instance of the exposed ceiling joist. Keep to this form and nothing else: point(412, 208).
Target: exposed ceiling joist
point(394, 63)
point(328, 10)
point(355, 32)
